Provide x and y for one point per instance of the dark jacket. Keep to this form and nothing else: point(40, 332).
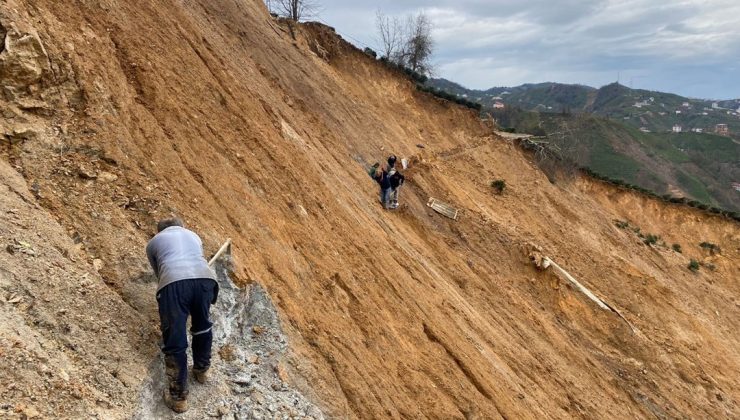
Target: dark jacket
point(383, 178)
point(396, 180)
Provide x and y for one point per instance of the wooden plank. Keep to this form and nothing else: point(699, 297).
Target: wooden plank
point(443, 208)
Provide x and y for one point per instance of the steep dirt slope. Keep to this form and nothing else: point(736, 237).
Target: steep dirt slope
point(118, 114)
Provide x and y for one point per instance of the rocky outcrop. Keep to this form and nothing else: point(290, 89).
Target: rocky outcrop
point(24, 64)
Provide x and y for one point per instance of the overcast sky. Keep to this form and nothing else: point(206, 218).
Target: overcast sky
point(689, 47)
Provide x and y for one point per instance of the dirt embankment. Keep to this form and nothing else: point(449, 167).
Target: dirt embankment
point(121, 113)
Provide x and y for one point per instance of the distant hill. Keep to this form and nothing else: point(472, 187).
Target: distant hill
point(650, 110)
point(628, 134)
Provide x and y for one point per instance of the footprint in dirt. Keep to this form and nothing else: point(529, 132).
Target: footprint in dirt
point(247, 379)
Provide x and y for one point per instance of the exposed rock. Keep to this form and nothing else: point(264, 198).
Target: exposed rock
point(107, 177)
point(19, 135)
point(86, 173)
point(23, 63)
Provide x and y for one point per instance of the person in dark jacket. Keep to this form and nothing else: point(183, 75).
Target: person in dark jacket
point(383, 178)
point(396, 180)
point(187, 287)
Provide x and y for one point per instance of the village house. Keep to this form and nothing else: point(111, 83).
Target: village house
point(498, 105)
point(722, 129)
point(677, 128)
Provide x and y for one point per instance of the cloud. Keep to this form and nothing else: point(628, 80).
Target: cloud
point(686, 46)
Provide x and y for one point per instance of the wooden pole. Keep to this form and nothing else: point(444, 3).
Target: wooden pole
point(220, 252)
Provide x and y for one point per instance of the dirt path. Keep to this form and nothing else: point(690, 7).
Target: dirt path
point(248, 377)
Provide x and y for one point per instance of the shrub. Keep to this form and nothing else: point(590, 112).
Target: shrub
point(711, 247)
point(709, 266)
point(677, 248)
point(413, 75)
point(448, 96)
point(499, 185)
point(369, 51)
point(694, 265)
point(651, 239)
point(622, 224)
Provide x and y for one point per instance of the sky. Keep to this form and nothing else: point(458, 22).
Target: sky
point(688, 47)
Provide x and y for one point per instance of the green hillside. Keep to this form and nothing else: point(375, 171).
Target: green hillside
point(650, 110)
point(698, 166)
point(627, 134)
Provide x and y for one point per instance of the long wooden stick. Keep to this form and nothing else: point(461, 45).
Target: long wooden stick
point(585, 291)
point(220, 252)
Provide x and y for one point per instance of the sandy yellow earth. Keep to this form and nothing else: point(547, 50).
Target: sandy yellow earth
point(118, 113)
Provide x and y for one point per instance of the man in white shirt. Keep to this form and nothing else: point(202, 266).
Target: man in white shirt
point(187, 287)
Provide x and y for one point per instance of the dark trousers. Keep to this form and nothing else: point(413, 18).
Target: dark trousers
point(177, 301)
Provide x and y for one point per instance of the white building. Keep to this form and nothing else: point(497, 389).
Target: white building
point(677, 128)
point(498, 105)
point(678, 111)
point(697, 130)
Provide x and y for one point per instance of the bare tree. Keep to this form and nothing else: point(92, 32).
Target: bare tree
point(391, 35)
point(294, 9)
point(410, 45)
point(419, 44)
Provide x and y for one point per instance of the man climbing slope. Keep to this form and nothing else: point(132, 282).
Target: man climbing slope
point(396, 180)
point(187, 287)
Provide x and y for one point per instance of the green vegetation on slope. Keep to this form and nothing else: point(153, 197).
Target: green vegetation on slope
point(626, 134)
point(699, 166)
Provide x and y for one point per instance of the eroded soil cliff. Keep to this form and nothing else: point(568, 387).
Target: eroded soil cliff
point(116, 114)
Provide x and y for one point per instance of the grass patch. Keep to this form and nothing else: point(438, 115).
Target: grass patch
point(712, 248)
point(650, 239)
point(622, 224)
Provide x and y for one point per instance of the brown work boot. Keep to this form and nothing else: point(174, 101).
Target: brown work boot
point(175, 403)
point(200, 375)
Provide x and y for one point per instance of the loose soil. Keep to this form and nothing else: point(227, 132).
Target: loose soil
point(260, 131)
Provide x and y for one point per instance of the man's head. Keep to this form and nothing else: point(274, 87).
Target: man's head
point(165, 223)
